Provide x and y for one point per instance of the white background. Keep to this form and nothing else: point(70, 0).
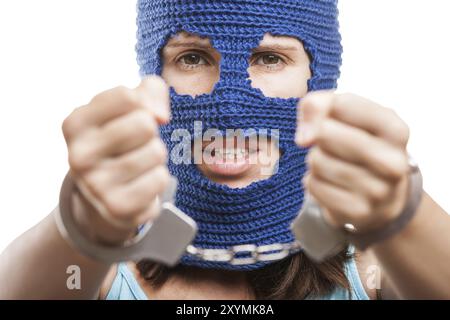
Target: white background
point(55, 55)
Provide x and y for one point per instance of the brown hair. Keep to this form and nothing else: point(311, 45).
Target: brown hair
point(295, 277)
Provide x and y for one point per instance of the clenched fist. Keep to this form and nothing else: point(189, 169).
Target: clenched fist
point(118, 160)
point(358, 163)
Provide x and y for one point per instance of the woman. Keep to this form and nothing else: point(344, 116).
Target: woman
point(237, 65)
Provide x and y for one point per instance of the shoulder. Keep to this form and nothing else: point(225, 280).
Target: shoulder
point(369, 272)
point(107, 282)
point(123, 282)
point(373, 277)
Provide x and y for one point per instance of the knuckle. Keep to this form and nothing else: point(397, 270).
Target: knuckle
point(305, 180)
point(400, 166)
point(78, 157)
point(157, 83)
point(162, 175)
point(126, 164)
point(401, 131)
point(379, 192)
point(312, 159)
point(67, 128)
point(102, 96)
point(393, 114)
point(121, 89)
point(115, 203)
point(361, 209)
point(153, 211)
point(144, 123)
point(71, 125)
point(325, 129)
point(306, 105)
point(394, 118)
point(406, 133)
point(96, 182)
point(345, 175)
point(126, 95)
point(160, 152)
point(312, 185)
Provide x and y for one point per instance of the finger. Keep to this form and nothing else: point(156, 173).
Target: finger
point(343, 206)
point(155, 94)
point(132, 221)
point(116, 137)
point(102, 108)
point(347, 176)
point(370, 116)
point(312, 109)
point(152, 94)
point(359, 147)
point(132, 198)
point(122, 169)
point(150, 213)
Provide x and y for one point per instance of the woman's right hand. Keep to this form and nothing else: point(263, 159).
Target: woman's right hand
point(118, 160)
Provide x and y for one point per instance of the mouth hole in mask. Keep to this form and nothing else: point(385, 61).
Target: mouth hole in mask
point(190, 64)
point(280, 67)
point(237, 160)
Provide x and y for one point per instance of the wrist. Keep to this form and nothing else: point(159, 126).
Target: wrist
point(388, 213)
point(164, 240)
point(407, 212)
point(95, 227)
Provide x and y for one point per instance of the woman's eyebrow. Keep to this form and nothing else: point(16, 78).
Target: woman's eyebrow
point(197, 45)
point(190, 45)
point(274, 47)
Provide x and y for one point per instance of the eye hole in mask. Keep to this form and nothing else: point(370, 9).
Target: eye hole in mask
point(190, 64)
point(280, 67)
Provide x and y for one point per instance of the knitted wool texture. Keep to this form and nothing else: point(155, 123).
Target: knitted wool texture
point(262, 212)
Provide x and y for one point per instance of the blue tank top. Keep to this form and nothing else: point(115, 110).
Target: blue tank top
point(126, 287)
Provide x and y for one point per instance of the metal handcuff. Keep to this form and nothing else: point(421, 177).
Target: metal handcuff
point(320, 240)
point(170, 236)
point(164, 240)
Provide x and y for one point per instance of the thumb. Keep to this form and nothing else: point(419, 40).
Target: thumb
point(155, 94)
point(312, 109)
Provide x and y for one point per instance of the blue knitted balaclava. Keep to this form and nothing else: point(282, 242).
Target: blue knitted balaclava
point(262, 212)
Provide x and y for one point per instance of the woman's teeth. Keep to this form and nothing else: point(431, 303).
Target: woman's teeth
point(231, 153)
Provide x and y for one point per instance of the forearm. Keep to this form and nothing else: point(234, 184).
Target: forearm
point(35, 266)
point(417, 260)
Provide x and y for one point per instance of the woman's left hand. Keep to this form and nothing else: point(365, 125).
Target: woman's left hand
point(358, 163)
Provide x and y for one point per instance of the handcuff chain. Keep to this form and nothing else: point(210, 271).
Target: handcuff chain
point(253, 254)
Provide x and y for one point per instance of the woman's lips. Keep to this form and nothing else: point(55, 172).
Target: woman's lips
point(229, 162)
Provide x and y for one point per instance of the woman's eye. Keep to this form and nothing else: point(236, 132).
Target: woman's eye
point(269, 61)
point(192, 60)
